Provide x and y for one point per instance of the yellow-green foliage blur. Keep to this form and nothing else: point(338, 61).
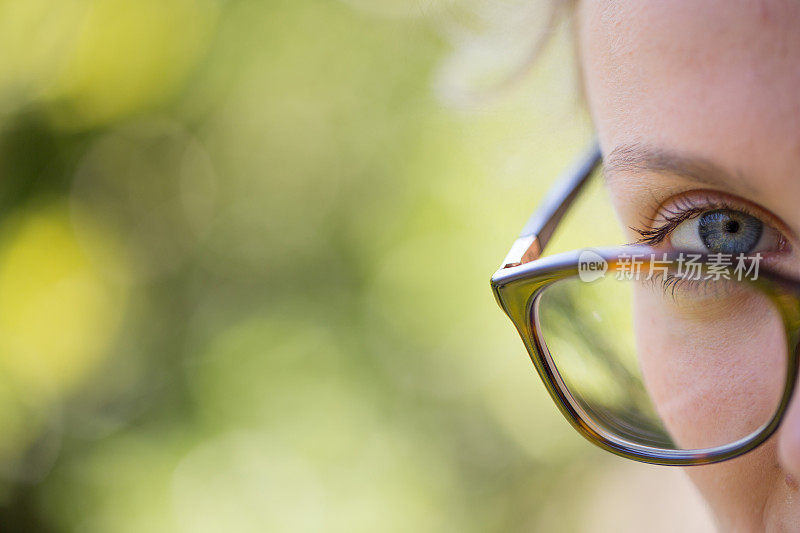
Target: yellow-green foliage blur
point(244, 258)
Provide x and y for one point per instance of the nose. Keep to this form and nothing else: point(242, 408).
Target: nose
point(789, 437)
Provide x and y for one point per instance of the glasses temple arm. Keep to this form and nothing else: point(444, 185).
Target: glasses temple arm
point(540, 226)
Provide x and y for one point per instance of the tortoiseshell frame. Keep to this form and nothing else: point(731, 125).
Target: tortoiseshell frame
point(519, 283)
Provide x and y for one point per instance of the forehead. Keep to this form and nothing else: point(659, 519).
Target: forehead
point(717, 79)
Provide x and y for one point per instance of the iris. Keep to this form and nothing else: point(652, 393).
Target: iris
point(730, 232)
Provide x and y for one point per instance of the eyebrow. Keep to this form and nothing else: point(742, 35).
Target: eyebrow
point(638, 158)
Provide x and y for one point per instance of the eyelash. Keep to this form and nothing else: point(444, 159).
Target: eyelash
point(673, 285)
point(683, 209)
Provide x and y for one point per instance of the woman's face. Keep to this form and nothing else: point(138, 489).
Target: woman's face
point(697, 103)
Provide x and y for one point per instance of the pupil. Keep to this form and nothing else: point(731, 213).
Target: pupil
point(732, 226)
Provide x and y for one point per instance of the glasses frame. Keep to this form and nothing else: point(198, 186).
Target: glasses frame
point(524, 275)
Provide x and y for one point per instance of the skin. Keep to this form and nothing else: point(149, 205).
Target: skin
point(713, 89)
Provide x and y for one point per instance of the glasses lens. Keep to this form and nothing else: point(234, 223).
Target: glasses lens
point(681, 365)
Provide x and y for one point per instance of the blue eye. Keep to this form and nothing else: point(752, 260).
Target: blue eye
point(729, 232)
point(724, 231)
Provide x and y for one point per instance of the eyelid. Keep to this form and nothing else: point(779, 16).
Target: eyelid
point(707, 199)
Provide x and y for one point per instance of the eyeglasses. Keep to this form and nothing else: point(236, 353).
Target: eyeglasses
point(665, 357)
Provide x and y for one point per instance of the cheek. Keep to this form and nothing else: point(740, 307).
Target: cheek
point(715, 371)
point(748, 493)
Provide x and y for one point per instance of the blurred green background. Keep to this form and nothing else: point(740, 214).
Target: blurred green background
point(244, 260)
